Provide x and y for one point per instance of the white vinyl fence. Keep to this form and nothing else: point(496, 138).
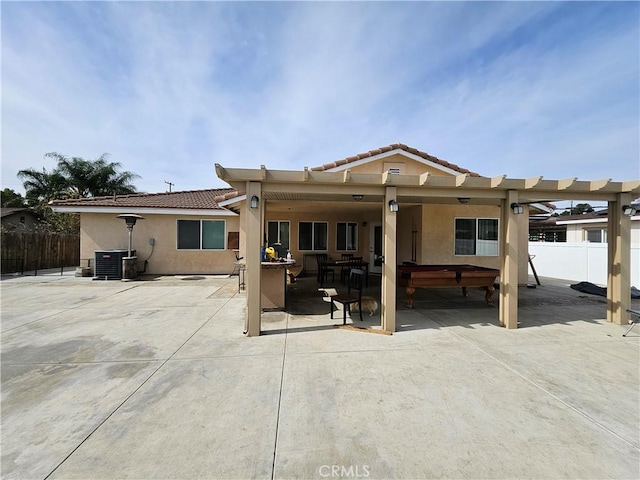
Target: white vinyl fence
point(579, 262)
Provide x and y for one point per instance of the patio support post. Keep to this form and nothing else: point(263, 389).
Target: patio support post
point(253, 260)
point(619, 261)
point(509, 262)
point(388, 300)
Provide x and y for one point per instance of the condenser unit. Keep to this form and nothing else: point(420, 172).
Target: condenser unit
point(108, 264)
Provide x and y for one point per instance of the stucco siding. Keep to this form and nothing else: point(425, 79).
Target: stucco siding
point(438, 239)
point(332, 216)
point(106, 232)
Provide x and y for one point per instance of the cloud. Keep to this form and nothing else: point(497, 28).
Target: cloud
point(169, 89)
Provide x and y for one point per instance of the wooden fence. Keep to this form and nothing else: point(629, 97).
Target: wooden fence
point(24, 252)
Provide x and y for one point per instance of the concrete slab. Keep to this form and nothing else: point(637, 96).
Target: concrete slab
point(155, 379)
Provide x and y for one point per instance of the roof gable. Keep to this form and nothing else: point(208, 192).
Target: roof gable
point(397, 152)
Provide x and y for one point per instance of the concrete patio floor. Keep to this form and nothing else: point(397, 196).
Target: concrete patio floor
point(154, 379)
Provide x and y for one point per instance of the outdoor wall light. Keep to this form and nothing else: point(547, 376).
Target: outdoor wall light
point(629, 210)
point(463, 200)
point(517, 208)
point(357, 198)
point(255, 201)
point(393, 206)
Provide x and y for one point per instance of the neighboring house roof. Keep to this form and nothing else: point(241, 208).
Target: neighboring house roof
point(598, 216)
point(376, 153)
point(185, 202)
point(10, 211)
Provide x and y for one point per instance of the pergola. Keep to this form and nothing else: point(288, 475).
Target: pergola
point(263, 184)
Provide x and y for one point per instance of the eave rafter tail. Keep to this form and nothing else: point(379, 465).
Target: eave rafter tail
point(221, 172)
point(461, 179)
point(566, 183)
point(346, 176)
point(497, 181)
point(600, 184)
point(632, 187)
point(532, 182)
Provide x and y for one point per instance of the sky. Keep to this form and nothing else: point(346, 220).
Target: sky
point(168, 89)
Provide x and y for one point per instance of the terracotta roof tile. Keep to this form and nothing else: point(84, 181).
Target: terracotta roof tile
point(228, 196)
point(193, 199)
point(388, 148)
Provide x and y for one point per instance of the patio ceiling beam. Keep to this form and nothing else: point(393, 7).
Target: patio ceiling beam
point(555, 196)
point(533, 185)
point(452, 192)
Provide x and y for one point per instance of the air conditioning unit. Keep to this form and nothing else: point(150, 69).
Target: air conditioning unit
point(108, 264)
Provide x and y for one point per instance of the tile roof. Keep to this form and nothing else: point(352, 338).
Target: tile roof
point(395, 146)
point(194, 199)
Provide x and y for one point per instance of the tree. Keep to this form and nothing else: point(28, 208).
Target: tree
point(578, 209)
point(93, 178)
point(42, 186)
point(11, 199)
point(75, 177)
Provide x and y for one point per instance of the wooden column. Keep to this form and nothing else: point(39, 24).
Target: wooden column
point(509, 262)
point(252, 256)
point(388, 303)
point(619, 264)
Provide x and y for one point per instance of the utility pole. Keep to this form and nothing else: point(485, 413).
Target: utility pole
point(170, 185)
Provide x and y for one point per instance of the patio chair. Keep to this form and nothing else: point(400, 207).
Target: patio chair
point(356, 278)
point(345, 270)
point(323, 269)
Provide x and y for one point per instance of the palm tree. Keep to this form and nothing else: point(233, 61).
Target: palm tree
point(93, 178)
point(42, 186)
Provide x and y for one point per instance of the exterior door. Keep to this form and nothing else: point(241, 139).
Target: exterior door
point(375, 248)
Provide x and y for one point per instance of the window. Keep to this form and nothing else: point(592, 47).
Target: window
point(596, 235)
point(476, 236)
point(347, 236)
point(201, 234)
point(312, 235)
point(278, 232)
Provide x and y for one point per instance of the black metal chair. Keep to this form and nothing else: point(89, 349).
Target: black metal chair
point(345, 270)
point(356, 277)
point(323, 269)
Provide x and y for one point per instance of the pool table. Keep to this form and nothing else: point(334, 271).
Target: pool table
point(416, 276)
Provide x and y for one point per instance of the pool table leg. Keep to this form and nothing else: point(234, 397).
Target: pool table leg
point(410, 292)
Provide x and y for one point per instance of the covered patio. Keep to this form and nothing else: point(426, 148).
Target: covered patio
point(553, 302)
point(390, 193)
